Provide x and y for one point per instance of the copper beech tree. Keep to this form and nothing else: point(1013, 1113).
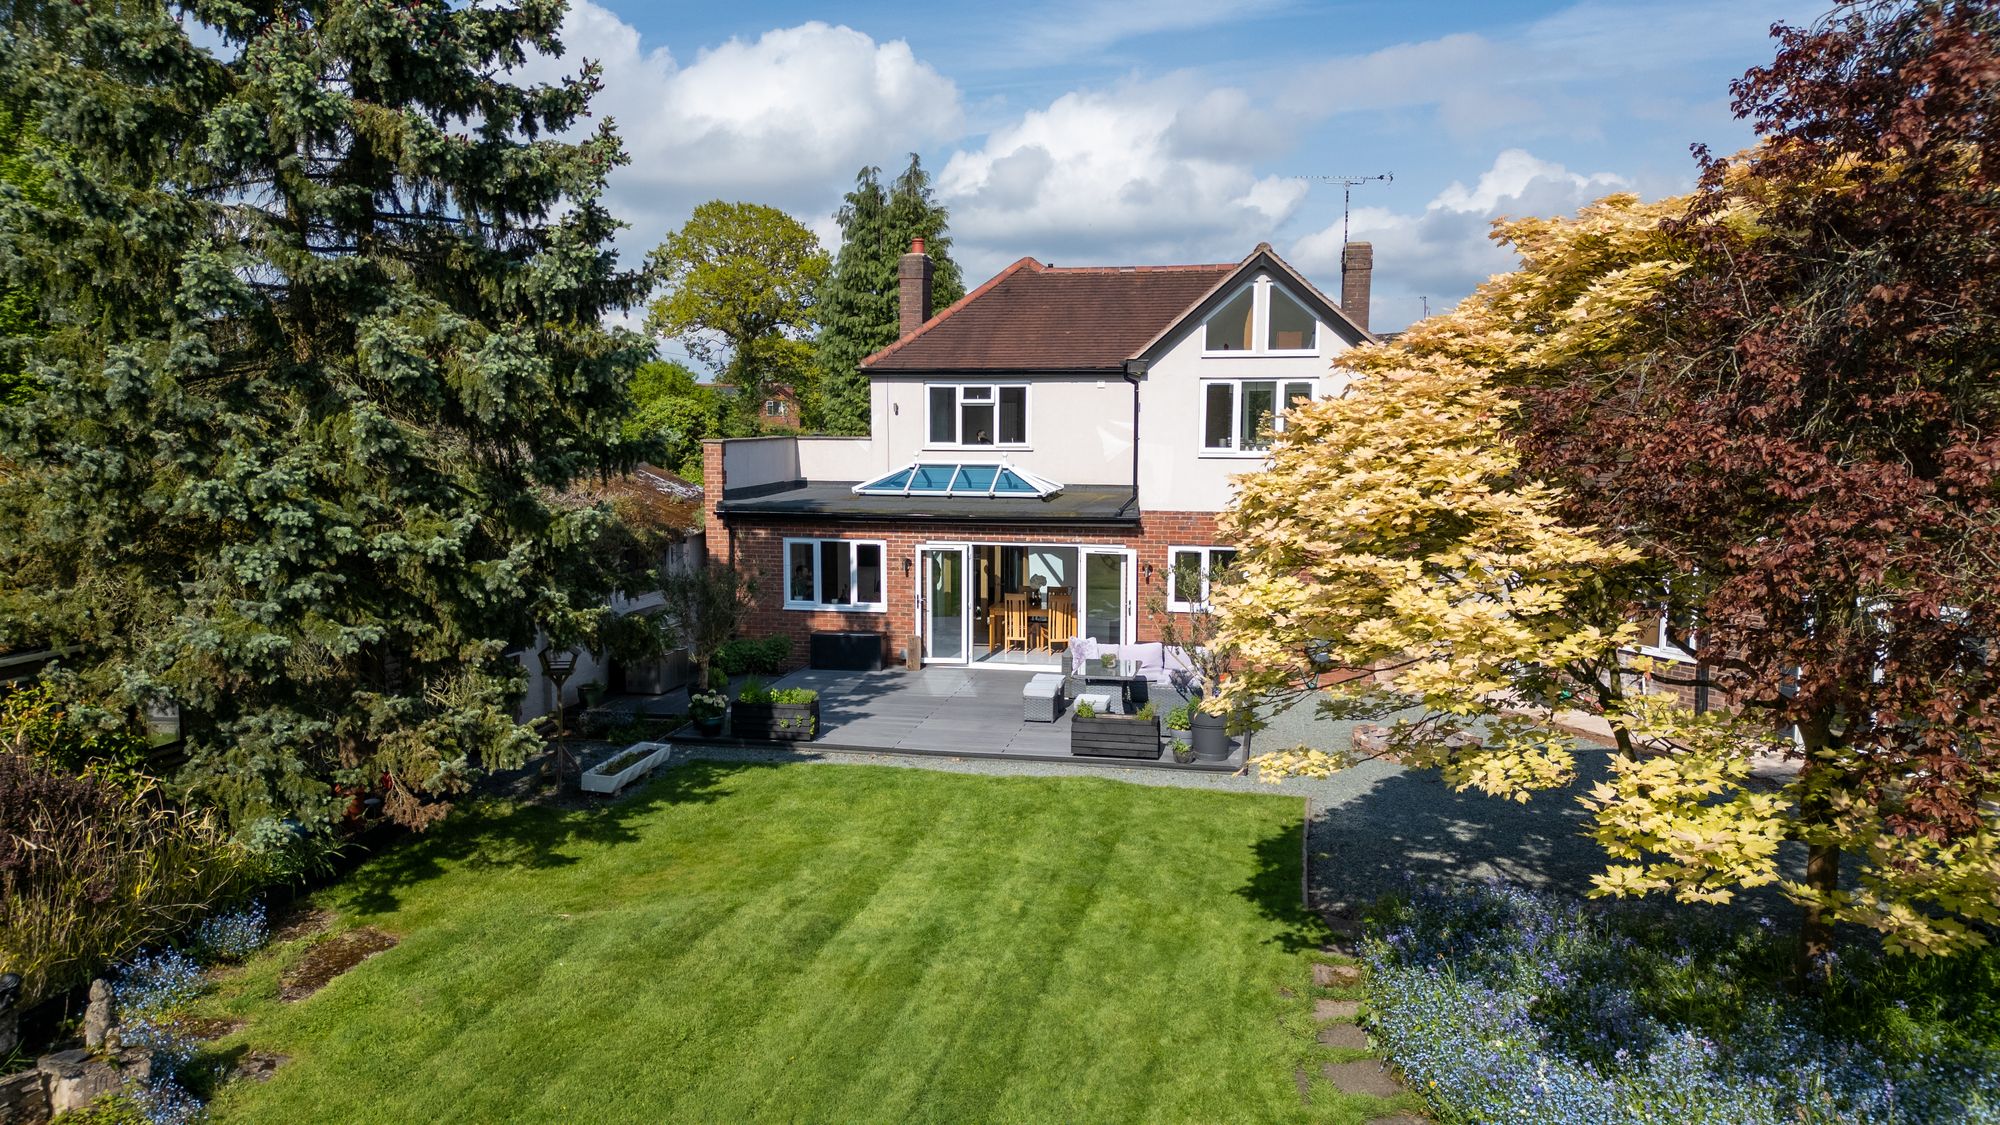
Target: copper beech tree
point(1771, 406)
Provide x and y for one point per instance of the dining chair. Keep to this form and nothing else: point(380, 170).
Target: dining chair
point(1062, 618)
point(1015, 614)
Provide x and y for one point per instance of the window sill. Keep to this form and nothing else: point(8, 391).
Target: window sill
point(814, 607)
point(1234, 455)
point(1670, 654)
point(1312, 353)
point(1022, 448)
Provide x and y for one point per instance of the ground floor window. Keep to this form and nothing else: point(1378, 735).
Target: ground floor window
point(1190, 572)
point(834, 574)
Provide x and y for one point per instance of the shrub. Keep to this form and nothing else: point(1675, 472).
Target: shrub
point(794, 695)
point(90, 871)
point(1148, 712)
point(1504, 1004)
point(754, 691)
point(1181, 717)
point(37, 721)
point(763, 655)
point(1085, 711)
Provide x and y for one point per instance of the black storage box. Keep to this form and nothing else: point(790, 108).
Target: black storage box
point(846, 652)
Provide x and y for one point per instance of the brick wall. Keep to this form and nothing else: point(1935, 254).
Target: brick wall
point(758, 547)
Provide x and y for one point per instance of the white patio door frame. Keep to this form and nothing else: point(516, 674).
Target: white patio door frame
point(925, 634)
point(1127, 591)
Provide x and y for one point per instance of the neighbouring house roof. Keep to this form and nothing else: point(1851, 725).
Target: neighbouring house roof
point(1032, 317)
point(1076, 503)
point(649, 497)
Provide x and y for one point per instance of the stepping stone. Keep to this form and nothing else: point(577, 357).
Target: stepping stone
point(1344, 1035)
point(1304, 1082)
point(1324, 1010)
point(1336, 976)
point(1364, 1077)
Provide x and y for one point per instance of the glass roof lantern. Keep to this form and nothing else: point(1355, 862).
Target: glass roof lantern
point(959, 478)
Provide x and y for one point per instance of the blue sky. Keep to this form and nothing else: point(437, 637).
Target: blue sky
point(1168, 131)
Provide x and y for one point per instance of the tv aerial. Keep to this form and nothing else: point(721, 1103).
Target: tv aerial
point(1347, 186)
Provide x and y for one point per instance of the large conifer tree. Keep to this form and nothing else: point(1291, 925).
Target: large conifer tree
point(857, 305)
point(322, 339)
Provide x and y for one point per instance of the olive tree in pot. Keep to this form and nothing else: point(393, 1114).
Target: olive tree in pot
point(1193, 630)
point(705, 606)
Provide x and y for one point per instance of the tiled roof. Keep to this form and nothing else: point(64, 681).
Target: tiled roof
point(1036, 317)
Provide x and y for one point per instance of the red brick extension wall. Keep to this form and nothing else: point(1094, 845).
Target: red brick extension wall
point(758, 547)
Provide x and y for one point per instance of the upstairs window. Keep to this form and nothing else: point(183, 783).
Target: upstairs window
point(1232, 328)
point(1292, 328)
point(977, 414)
point(1238, 415)
point(1263, 318)
point(774, 407)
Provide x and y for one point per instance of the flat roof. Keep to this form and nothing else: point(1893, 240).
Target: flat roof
point(1076, 503)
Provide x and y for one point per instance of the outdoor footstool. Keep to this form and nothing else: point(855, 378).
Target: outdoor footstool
point(1042, 698)
point(1100, 702)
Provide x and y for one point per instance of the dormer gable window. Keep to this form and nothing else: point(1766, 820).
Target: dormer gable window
point(1262, 318)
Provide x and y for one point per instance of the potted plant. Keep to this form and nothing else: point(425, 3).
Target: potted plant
point(1194, 631)
point(1179, 722)
point(707, 709)
point(1109, 660)
point(1092, 735)
point(783, 715)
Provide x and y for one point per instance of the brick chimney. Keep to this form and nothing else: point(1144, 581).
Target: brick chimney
point(913, 285)
point(1357, 264)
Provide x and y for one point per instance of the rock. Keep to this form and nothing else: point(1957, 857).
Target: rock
point(1324, 1010)
point(1346, 1036)
point(258, 1066)
point(100, 1018)
point(10, 1018)
point(1336, 976)
point(77, 1078)
point(1371, 738)
point(1364, 1077)
point(24, 1098)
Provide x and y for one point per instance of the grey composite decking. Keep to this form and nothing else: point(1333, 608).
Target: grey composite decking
point(956, 712)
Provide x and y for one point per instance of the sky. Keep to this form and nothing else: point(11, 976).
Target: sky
point(1141, 132)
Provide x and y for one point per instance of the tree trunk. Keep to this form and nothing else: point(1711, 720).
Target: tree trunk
point(1816, 924)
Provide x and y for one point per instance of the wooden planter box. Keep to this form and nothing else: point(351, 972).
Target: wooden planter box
point(595, 780)
point(1115, 736)
point(775, 722)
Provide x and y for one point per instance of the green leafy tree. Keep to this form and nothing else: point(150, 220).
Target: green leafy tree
point(859, 313)
point(741, 284)
point(670, 407)
point(323, 344)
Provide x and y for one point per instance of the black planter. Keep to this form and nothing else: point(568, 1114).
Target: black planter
point(775, 722)
point(709, 725)
point(1211, 736)
point(1115, 736)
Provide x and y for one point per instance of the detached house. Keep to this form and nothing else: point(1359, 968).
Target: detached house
point(1045, 458)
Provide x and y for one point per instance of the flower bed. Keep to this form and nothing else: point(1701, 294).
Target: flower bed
point(1501, 1004)
point(622, 769)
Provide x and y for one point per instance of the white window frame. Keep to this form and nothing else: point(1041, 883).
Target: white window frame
point(1280, 404)
point(1207, 570)
point(958, 406)
point(775, 408)
point(853, 604)
point(1260, 324)
point(1668, 651)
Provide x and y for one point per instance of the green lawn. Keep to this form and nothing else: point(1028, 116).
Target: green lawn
point(816, 943)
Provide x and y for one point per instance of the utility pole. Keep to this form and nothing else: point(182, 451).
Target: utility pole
point(1347, 186)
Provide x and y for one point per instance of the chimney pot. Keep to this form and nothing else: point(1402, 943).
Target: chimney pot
point(1357, 267)
point(913, 289)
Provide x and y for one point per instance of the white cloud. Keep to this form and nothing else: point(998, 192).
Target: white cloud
point(784, 119)
point(1444, 250)
point(1131, 174)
